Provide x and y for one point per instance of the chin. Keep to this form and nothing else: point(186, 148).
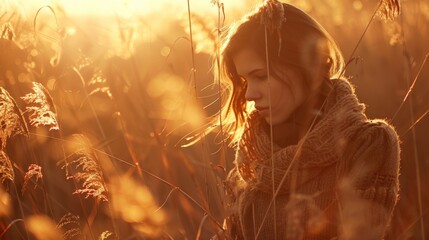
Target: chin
point(277, 121)
point(273, 122)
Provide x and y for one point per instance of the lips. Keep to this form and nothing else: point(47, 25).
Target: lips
point(264, 111)
point(261, 108)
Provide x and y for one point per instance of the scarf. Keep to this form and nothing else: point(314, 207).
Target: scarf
point(294, 165)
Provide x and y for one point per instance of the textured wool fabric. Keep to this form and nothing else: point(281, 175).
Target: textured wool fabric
point(340, 181)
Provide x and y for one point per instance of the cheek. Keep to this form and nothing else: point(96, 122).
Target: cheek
point(281, 93)
point(300, 93)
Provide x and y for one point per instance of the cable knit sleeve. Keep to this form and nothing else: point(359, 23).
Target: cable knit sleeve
point(369, 191)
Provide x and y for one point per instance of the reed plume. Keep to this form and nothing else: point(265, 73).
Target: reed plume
point(389, 9)
point(11, 119)
point(6, 169)
point(34, 171)
point(42, 109)
point(87, 170)
point(70, 226)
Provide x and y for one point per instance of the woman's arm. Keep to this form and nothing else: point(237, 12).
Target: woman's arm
point(369, 191)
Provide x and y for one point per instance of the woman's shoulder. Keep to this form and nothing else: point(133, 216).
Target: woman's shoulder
point(378, 130)
point(376, 145)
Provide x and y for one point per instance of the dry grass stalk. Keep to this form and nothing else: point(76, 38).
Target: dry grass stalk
point(11, 120)
point(83, 157)
point(6, 168)
point(42, 227)
point(135, 204)
point(35, 171)
point(42, 111)
point(70, 226)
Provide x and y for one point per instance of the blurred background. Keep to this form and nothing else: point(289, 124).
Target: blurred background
point(128, 90)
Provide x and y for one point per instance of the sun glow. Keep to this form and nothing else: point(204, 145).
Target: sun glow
point(112, 7)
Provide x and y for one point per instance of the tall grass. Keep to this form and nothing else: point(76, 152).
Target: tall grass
point(91, 113)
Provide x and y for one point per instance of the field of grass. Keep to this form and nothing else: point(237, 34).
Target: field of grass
point(96, 105)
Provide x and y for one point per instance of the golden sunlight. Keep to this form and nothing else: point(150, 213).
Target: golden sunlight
point(135, 119)
point(112, 7)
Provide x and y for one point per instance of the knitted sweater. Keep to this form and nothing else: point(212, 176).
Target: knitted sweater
point(339, 182)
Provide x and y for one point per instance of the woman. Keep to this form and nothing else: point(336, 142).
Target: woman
point(309, 164)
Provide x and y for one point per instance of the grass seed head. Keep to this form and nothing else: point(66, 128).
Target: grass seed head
point(42, 109)
point(35, 171)
point(83, 163)
point(389, 9)
point(70, 226)
point(6, 169)
point(11, 119)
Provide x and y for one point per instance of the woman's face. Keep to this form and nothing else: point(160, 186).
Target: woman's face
point(286, 88)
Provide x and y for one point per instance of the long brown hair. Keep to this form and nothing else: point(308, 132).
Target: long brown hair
point(290, 38)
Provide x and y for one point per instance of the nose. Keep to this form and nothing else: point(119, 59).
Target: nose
point(252, 93)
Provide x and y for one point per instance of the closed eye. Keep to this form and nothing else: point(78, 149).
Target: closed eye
point(258, 74)
point(254, 75)
point(260, 77)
